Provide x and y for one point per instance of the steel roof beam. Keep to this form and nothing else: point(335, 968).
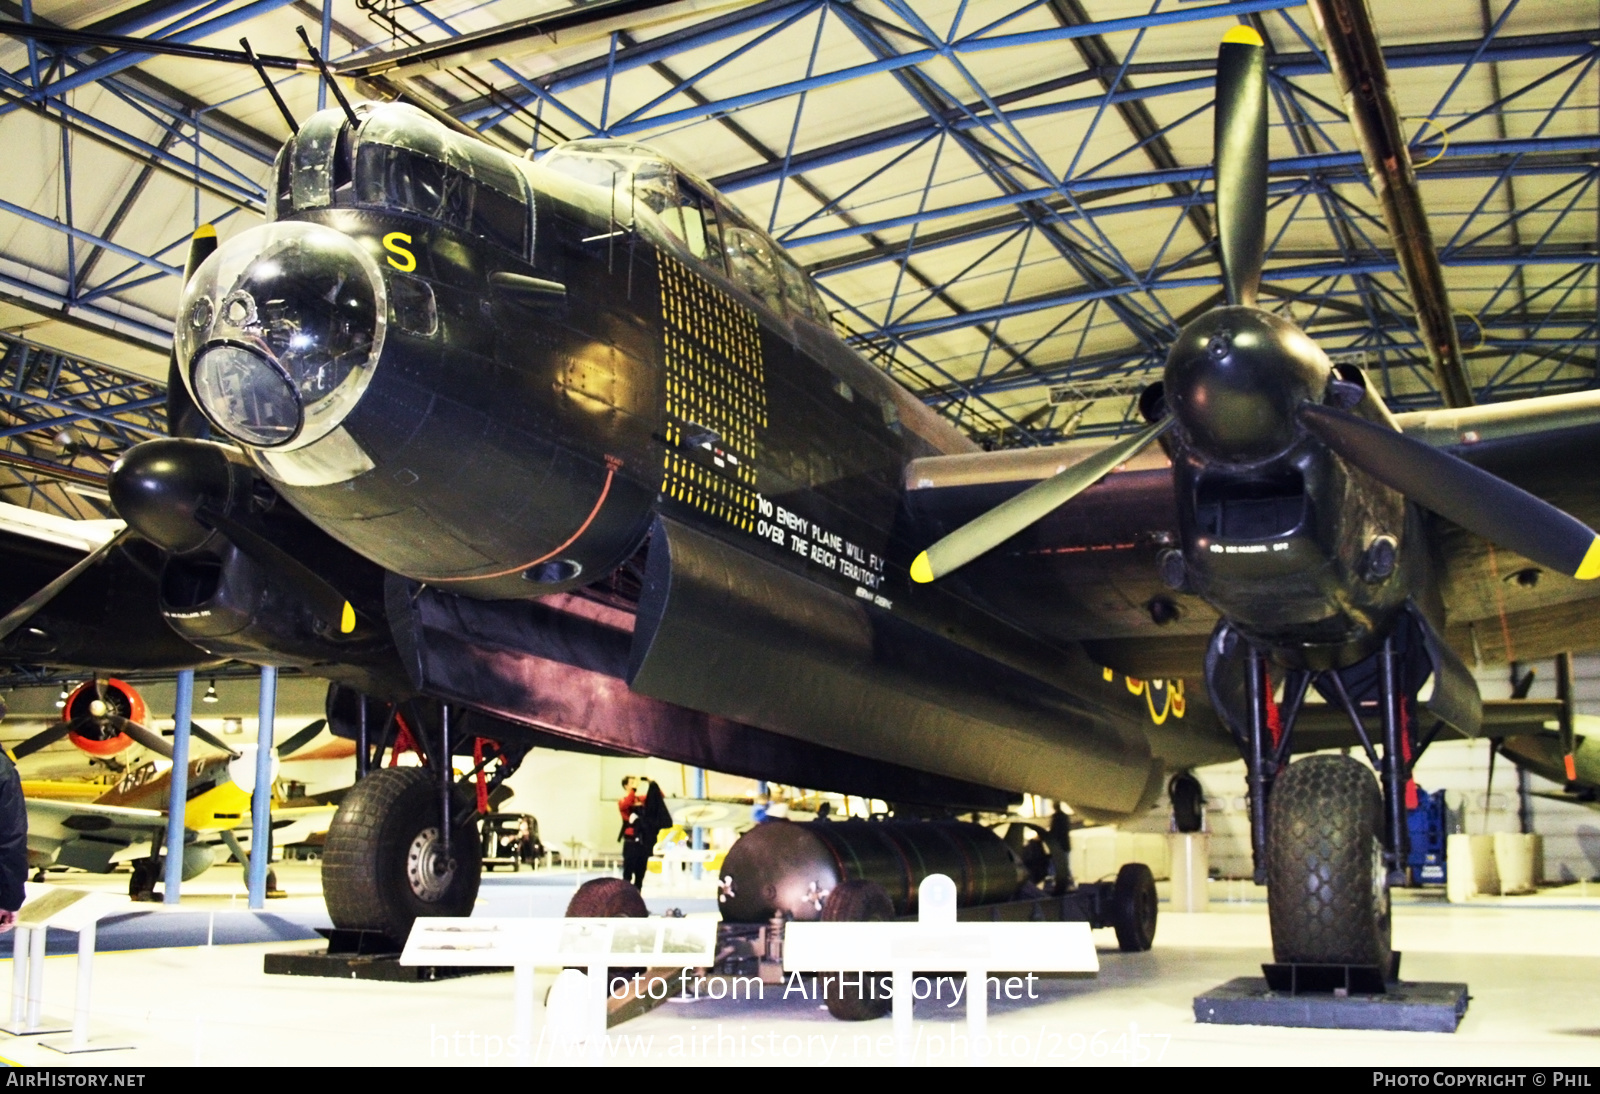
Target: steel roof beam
point(897, 61)
point(1285, 66)
point(1292, 167)
point(120, 60)
point(925, 327)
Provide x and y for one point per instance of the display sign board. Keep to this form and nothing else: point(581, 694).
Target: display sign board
point(551, 943)
point(69, 909)
point(921, 947)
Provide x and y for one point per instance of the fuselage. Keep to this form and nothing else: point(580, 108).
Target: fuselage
point(496, 378)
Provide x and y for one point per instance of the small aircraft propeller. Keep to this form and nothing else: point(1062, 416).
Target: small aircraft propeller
point(43, 739)
point(1243, 384)
point(300, 740)
point(294, 744)
point(101, 716)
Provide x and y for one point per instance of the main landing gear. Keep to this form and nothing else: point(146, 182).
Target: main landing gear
point(1328, 839)
point(405, 841)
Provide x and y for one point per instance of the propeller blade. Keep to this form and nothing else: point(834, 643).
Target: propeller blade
point(329, 603)
point(301, 739)
point(1241, 151)
point(184, 418)
point(213, 740)
point(147, 737)
point(1035, 503)
point(29, 607)
point(43, 739)
point(1478, 501)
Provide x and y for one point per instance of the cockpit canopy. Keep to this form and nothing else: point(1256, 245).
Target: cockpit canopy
point(635, 177)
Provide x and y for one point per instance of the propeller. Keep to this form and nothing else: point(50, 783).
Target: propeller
point(101, 716)
point(25, 611)
point(183, 419)
point(43, 739)
point(213, 740)
point(1244, 385)
point(300, 740)
point(142, 734)
point(287, 748)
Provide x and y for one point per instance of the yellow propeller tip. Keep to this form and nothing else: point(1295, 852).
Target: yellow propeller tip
point(347, 619)
point(922, 569)
point(206, 231)
point(1243, 36)
point(1589, 568)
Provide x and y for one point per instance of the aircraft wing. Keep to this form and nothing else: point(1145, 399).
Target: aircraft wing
point(107, 618)
point(85, 834)
point(1087, 572)
point(1500, 606)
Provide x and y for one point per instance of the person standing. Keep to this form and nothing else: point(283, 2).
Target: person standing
point(13, 843)
point(635, 848)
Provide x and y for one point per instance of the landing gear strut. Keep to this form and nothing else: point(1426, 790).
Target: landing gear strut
point(1327, 839)
point(405, 841)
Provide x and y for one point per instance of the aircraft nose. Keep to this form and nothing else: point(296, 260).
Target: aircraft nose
point(278, 331)
point(1235, 378)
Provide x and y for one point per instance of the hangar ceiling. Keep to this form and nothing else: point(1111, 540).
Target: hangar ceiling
point(1007, 204)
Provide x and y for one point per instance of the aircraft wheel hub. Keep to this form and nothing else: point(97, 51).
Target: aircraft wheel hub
point(426, 868)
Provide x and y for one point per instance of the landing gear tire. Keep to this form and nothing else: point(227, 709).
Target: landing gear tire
point(1188, 801)
point(381, 865)
point(857, 902)
point(1133, 908)
point(146, 872)
point(1327, 895)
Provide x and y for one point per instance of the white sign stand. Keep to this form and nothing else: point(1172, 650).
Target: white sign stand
point(596, 944)
point(937, 942)
point(27, 985)
point(74, 910)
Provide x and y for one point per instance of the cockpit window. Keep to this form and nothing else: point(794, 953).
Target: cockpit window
point(750, 263)
point(398, 178)
point(444, 176)
point(312, 167)
point(635, 176)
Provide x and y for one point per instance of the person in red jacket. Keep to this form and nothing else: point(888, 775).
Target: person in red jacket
point(635, 850)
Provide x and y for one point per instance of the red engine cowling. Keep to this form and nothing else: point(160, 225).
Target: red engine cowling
point(95, 735)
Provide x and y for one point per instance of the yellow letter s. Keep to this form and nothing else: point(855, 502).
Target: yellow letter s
point(400, 258)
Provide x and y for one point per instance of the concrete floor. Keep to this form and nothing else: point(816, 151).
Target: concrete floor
point(1531, 963)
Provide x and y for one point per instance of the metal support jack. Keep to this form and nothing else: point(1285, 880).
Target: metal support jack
point(261, 793)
